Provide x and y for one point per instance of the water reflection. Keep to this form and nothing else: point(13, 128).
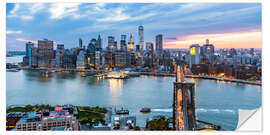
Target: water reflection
point(116, 86)
point(41, 77)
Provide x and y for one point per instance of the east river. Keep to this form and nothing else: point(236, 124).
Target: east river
point(216, 101)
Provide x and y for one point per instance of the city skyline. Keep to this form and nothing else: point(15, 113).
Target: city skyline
point(189, 23)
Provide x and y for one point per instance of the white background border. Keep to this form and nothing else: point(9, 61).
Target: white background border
point(265, 73)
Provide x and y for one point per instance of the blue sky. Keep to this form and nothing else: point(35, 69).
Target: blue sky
point(66, 22)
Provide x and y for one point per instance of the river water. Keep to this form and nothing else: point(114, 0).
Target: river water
point(216, 101)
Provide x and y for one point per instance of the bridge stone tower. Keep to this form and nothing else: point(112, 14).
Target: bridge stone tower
point(184, 116)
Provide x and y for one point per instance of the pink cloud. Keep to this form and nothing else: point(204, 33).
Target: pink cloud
point(36, 41)
point(25, 40)
point(252, 39)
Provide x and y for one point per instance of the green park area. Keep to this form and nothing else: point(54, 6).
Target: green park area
point(30, 108)
point(158, 124)
point(91, 115)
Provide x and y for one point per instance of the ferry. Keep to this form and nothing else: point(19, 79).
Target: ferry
point(145, 110)
point(13, 70)
point(122, 111)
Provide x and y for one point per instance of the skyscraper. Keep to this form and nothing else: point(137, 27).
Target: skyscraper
point(69, 59)
point(99, 44)
point(97, 60)
point(80, 42)
point(29, 53)
point(148, 60)
point(207, 51)
point(159, 45)
point(90, 54)
point(80, 62)
point(120, 59)
point(94, 43)
point(112, 44)
point(27, 46)
point(149, 47)
point(141, 38)
point(46, 53)
point(59, 55)
point(123, 45)
point(194, 52)
point(123, 37)
point(131, 43)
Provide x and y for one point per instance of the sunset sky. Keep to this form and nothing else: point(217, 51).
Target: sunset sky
point(236, 25)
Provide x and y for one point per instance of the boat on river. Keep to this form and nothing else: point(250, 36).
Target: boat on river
point(122, 111)
point(13, 70)
point(145, 110)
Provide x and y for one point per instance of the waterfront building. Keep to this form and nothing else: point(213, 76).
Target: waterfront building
point(37, 122)
point(131, 43)
point(123, 45)
point(102, 61)
point(159, 45)
point(27, 46)
point(207, 51)
point(97, 60)
point(184, 115)
point(45, 52)
point(166, 61)
point(90, 54)
point(112, 44)
point(59, 55)
point(12, 118)
point(80, 43)
point(141, 39)
point(132, 59)
point(69, 59)
point(109, 60)
point(34, 57)
point(27, 60)
point(99, 44)
point(120, 59)
point(80, 62)
point(194, 52)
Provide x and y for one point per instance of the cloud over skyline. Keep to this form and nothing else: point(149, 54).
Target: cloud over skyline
point(66, 22)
